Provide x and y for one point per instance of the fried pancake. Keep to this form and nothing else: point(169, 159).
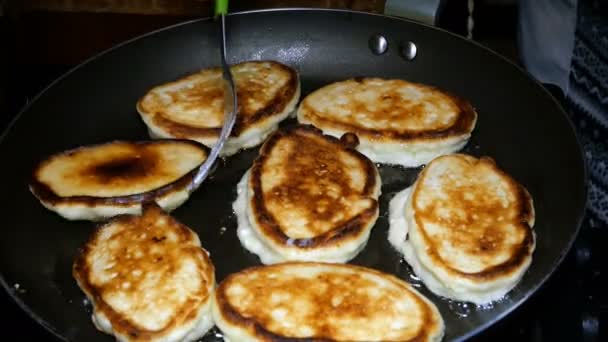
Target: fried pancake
point(322, 302)
point(100, 181)
point(147, 278)
point(397, 122)
point(465, 227)
point(193, 107)
point(307, 197)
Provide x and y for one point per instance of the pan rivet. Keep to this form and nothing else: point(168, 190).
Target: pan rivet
point(408, 50)
point(378, 44)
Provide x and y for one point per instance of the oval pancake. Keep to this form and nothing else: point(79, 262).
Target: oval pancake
point(397, 122)
point(465, 227)
point(307, 197)
point(322, 302)
point(193, 107)
point(147, 278)
point(99, 181)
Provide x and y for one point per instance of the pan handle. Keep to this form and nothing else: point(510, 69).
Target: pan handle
point(425, 11)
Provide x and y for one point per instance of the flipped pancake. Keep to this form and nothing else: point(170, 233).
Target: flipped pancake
point(100, 181)
point(328, 302)
point(465, 227)
point(193, 107)
point(397, 122)
point(148, 278)
point(307, 196)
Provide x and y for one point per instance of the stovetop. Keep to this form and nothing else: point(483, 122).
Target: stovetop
point(571, 306)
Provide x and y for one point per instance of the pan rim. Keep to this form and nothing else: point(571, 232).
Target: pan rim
point(480, 328)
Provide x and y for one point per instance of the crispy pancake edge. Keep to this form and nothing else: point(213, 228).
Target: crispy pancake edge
point(231, 314)
point(464, 124)
point(120, 323)
point(520, 253)
point(278, 104)
point(271, 228)
point(45, 194)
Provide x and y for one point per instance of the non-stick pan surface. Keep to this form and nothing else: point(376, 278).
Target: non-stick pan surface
point(519, 125)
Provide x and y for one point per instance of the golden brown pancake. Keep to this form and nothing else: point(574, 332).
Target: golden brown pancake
point(148, 278)
point(193, 107)
point(322, 302)
point(100, 181)
point(397, 122)
point(307, 197)
point(465, 227)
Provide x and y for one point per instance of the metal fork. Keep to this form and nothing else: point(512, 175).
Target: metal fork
point(230, 100)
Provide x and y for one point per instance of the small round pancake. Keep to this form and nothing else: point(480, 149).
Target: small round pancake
point(465, 227)
point(99, 181)
point(193, 107)
point(322, 302)
point(397, 122)
point(147, 278)
point(307, 197)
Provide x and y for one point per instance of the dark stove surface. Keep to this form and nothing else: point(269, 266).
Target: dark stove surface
point(571, 306)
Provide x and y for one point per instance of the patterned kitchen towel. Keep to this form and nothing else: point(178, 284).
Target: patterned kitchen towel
point(587, 102)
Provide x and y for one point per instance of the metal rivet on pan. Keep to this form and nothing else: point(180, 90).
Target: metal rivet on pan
point(378, 44)
point(408, 50)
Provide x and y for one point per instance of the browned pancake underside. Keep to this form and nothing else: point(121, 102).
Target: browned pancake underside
point(486, 220)
point(339, 302)
point(151, 244)
point(135, 165)
point(118, 165)
point(250, 93)
point(315, 183)
point(400, 113)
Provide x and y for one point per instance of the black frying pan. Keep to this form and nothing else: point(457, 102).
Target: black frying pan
point(520, 125)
